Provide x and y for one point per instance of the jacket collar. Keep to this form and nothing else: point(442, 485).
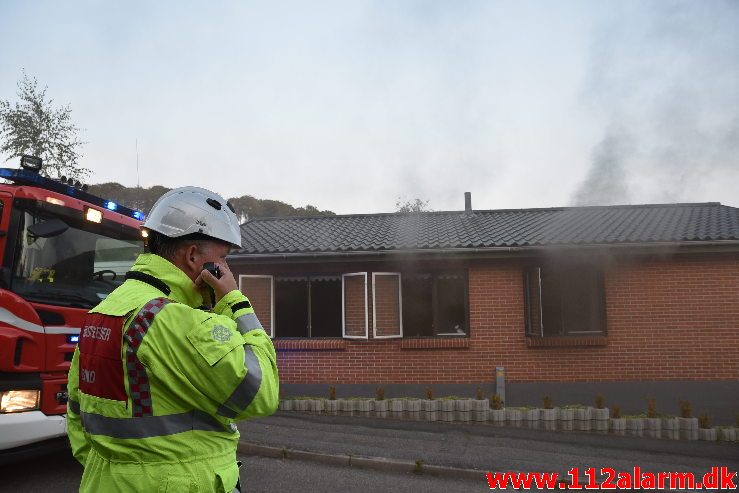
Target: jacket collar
point(183, 289)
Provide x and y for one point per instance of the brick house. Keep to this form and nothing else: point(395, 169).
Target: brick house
point(628, 301)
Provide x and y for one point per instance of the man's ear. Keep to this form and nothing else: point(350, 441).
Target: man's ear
point(190, 257)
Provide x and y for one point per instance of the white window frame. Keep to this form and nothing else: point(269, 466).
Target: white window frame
point(343, 307)
point(271, 331)
point(400, 305)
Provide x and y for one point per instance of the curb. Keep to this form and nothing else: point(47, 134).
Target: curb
point(375, 463)
point(379, 463)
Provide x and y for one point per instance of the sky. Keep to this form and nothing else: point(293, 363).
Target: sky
point(353, 105)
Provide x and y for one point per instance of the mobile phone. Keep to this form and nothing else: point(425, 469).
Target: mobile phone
point(213, 269)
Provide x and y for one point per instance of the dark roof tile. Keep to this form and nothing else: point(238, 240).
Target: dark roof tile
point(670, 223)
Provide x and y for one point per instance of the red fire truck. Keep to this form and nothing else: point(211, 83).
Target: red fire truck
point(62, 250)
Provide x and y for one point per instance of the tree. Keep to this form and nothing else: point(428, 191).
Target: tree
point(416, 205)
point(35, 126)
point(246, 206)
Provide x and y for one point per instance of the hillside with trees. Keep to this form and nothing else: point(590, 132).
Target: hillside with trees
point(246, 206)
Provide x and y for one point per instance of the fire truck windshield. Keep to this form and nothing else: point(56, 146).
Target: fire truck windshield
point(73, 265)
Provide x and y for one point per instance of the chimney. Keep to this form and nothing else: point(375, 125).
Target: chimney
point(467, 202)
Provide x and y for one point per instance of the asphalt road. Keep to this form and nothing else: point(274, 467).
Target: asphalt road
point(273, 475)
point(60, 473)
point(57, 472)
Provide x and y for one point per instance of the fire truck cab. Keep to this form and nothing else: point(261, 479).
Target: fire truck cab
point(62, 250)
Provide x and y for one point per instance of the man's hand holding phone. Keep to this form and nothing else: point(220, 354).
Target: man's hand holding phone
point(221, 285)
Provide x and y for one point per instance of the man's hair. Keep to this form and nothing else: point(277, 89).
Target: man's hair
point(167, 247)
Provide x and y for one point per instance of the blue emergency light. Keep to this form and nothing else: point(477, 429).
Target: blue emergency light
point(30, 176)
point(73, 339)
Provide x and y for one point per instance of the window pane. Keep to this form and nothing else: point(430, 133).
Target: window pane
point(571, 300)
point(551, 300)
point(451, 315)
point(418, 313)
point(580, 303)
point(78, 266)
point(291, 307)
point(325, 308)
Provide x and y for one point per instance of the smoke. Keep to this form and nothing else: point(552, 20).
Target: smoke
point(606, 181)
point(666, 81)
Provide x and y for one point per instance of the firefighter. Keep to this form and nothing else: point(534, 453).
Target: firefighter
point(157, 381)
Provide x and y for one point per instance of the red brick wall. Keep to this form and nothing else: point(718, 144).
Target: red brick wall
point(672, 319)
point(677, 321)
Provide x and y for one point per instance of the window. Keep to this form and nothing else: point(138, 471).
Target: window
point(564, 301)
point(318, 306)
point(71, 263)
point(354, 315)
point(434, 304)
point(308, 306)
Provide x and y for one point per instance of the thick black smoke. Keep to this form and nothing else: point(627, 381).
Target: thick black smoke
point(667, 86)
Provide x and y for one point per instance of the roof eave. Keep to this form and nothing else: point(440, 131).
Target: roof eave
point(641, 248)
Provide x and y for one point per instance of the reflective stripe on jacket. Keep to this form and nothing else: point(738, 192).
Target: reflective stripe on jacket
point(183, 376)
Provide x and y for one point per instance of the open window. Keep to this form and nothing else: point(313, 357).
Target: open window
point(564, 301)
point(434, 304)
point(532, 292)
point(308, 306)
point(260, 291)
point(387, 307)
point(324, 293)
point(354, 312)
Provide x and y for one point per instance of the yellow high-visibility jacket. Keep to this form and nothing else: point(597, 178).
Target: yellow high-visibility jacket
point(156, 385)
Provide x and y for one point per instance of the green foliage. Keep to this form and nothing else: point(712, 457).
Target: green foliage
point(616, 412)
point(599, 401)
point(496, 402)
point(547, 402)
point(416, 205)
point(35, 126)
point(134, 197)
point(686, 409)
point(246, 206)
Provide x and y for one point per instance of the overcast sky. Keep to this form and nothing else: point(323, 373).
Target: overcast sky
point(349, 105)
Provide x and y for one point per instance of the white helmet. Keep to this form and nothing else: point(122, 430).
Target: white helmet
point(189, 210)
